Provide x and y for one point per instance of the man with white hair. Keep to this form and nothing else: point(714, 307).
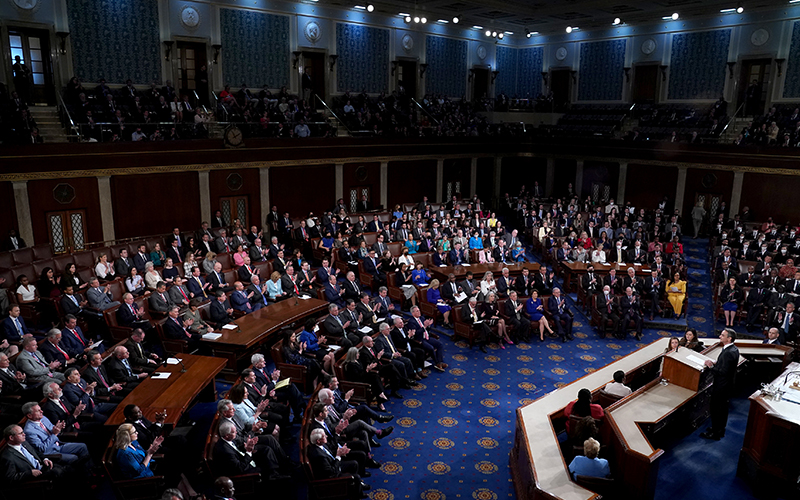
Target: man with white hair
point(326, 465)
point(354, 428)
point(341, 403)
point(289, 395)
point(234, 459)
point(43, 435)
point(32, 363)
point(391, 353)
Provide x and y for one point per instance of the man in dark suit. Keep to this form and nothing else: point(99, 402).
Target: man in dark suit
point(159, 300)
point(22, 462)
point(128, 314)
point(140, 258)
point(96, 374)
point(73, 304)
point(176, 328)
point(222, 244)
point(724, 372)
point(637, 254)
point(15, 382)
point(197, 285)
point(417, 332)
point(217, 281)
point(403, 364)
point(352, 289)
point(501, 253)
point(477, 321)
point(504, 283)
point(257, 253)
point(523, 284)
point(559, 310)
point(240, 299)
point(13, 241)
point(544, 281)
point(52, 351)
point(631, 309)
point(234, 458)
point(14, 327)
point(259, 292)
point(77, 392)
point(375, 225)
point(756, 299)
point(613, 281)
point(617, 254)
point(120, 370)
point(608, 308)
point(457, 255)
point(174, 252)
point(221, 310)
point(140, 357)
point(450, 289)
point(653, 289)
point(409, 350)
point(373, 267)
point(631, 280)
point(517, 316)
point(123, 264)
point(333, 292)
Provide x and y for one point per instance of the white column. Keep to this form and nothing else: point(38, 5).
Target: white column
point(439, 180)
point(205, 195)
point(106, 207)
point(623, 178)
point(340, 181)
point(551, 177)
point(473, 177)
point(736, 193)
point(496, 175)
point(23, 211)
point(578, 186)
point(680, 189)
point(385, 184)
point(263, 181)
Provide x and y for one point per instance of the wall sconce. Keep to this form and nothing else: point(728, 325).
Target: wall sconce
point(63, 45)
point(422, 69)
point(296, 59)
point(730, 69)
point(167, 49)
point(471, 75)
point(574, 76)
point(663, 72)
point(333, 58)
point(494, 75)
point(627, 74)
point(394, 66)
point(545, 76)
point(780, 62)
point(217, 48)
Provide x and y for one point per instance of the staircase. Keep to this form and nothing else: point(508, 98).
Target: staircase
point(341, 131)
point(49, 124)
point(734, 129)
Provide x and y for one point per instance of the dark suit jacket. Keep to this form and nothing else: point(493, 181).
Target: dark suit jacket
point(214, 281)
point(229, 463)
point(351, 291)
point(332, 295)
point(139, 261)
point(51, 354)
point(90, 375)
point(241, 302)
point(219, 312)
point(196, 289)
point(244, 274)
point(174, 255)
point(16, 468)
point(10, 330)
point(147, 430)
point(322, 465)
point(71, 344)
point(256, 254)
point(632, 255)
point(175, 331)
point(616, 288)
point(159, 304)
point(725, 370)
point(117, 372)
point(121, 267)
point(627, 308)
point(124, 315)
point(503, 285)
point(54, 413)
point(69, 307)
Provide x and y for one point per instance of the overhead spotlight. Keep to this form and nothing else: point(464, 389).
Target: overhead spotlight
point(423, 20)
point(407, 19)
point(370, 7)
point(617, 21)
point(500, 35)
point(403, 14)
point(481, 27)
point(675, 16)
point(528, 33)
point(569, 29)
point(443, 21)
point(494, 34)
point(488, 33)
point(740, 9)
point(360, 7)
point(456, 19)
point(416, 19)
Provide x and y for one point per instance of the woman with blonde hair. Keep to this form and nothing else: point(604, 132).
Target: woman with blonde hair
point(274, 287)
point(132, 461)
point(487, 284)
point(151, 276)
point(435, 297)
point(209, 261)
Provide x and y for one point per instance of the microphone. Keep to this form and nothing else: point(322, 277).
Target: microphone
point(183, 367)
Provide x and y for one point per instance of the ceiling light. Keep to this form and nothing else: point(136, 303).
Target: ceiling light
point(740, 9)
point(360, 7)
point(407, 19)
point(423, 20)
point(569, 29)
point(370, 8)
point(416, 19)
point(675, 16)
point(488, 33)
point(617, 21)
point(481, 27)
point(402, 14)
point(494, 34)
point(509, 32)
point(456, 19)
point(500, 35)
point(528, 34)
point(794, 1)
point(443, 21)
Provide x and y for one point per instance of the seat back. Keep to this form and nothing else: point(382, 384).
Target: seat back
point(84, 260)
point(60, 262)
point(42, 252)
point(23, 256)
point(41, 265)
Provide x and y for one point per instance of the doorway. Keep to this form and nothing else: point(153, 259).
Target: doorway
point(235, 207)
point(35, 86)
point(356, 194)
point(754, 85)
point(191, 78)
point(561, 87)
point(645, 84)
point(67, 230)
point(407, 78)
point(480, 83)
point(314, 80)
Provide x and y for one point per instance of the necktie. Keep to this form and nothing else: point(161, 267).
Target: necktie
point(127, 367)
point(30, 458)
point(201, 286)
point(74, 300)
point(75, 333)
point(34, 356)
point(19, 326)
point(180, 289)
point(66, 356)
point(100, 376)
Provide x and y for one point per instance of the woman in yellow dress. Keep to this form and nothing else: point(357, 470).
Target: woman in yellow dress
point(676, 293)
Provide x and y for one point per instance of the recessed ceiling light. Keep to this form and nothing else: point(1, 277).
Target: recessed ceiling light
point(416, 19)
point(740, 9)
point(617, 21)
point(488, 33)
point(403, 14)
point(675, 16)
point(407, 19)
point(500, 35)
point(481, 27)
point(423, 20)
point(509, 32)
point(456, 19)
point(370, 8)
point(360, 7)
point(443, 21)
point(569, 29)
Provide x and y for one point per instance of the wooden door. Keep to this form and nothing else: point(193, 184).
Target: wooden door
point(709, 201)
point(355, 196)
point(480, 83)
point(407, 77)
point(67, 230)
point(561, 86)
point(754, 85)
point(33, 48)
point(645, 84)
point(191, 57)
point(315, 61)
point(235, 207)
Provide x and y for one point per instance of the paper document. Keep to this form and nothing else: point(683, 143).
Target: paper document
point(212, 336)
point(461, 296)
point(334, 348)
point(230, 326)
point(160, 375)
point(442, 265)
point(673, 289)
point(477, 322)
point(305, 297)
point(365, 330)
point(93, 346)
point(380, 320)
point(637, 264)
point(173, 361)
point(695, 359)
point(427, 364)
point(282, 383)
point(465, 264)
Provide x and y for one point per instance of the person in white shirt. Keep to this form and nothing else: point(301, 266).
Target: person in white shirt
point(616, 387)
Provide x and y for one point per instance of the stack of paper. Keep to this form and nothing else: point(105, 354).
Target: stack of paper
point(230, 326)
point(212, 336)
point(160, 375)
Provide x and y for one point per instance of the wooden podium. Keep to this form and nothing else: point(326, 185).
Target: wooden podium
point(685, 368)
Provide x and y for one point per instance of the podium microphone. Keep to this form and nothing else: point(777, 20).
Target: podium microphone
point(183, 367)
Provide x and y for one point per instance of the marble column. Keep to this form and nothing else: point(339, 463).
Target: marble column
point(339, 181)
point(106, 207)
point(385, 184)
point(736, 193)
point(623, 178)
point(680, 188)
point(263, 182)
point(205, 195)
point(24, 223)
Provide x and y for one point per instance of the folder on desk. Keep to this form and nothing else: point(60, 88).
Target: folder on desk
point(160, 375)
point(282, 383)
point(212, 336)
point(230, 326)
